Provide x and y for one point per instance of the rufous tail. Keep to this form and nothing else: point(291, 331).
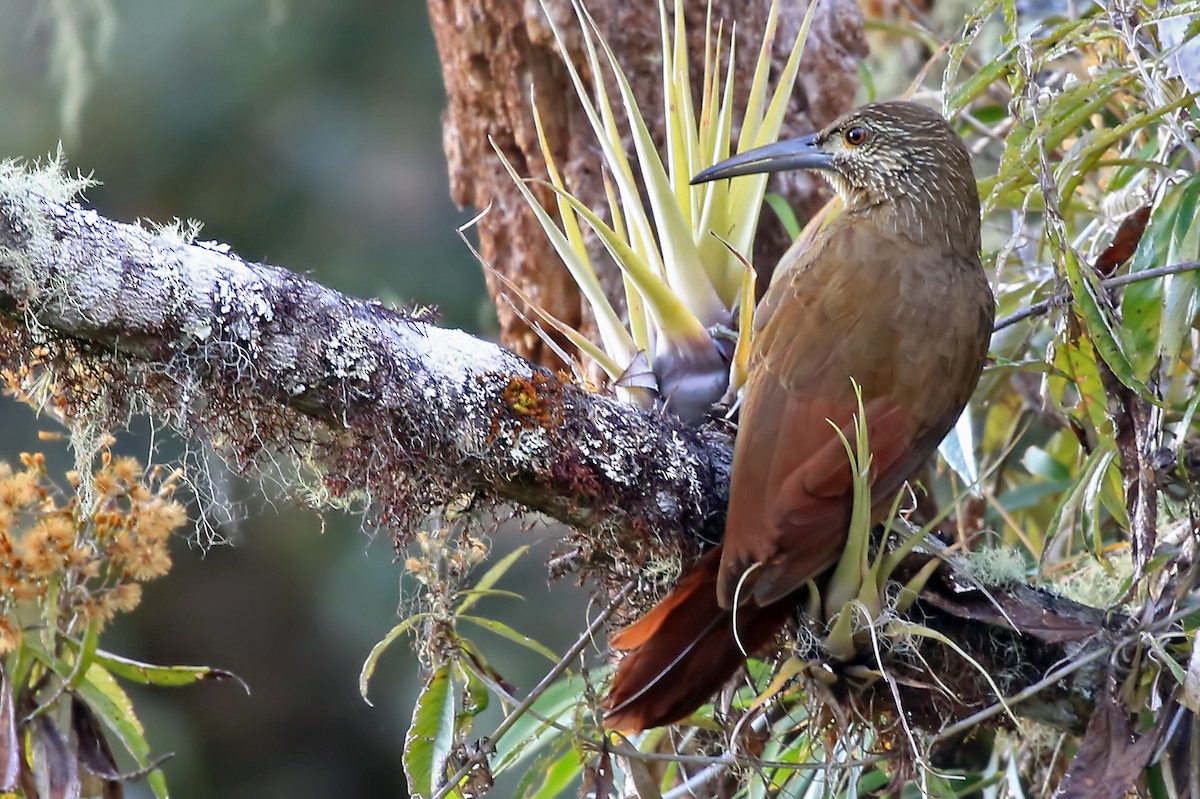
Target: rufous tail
point(684, 650)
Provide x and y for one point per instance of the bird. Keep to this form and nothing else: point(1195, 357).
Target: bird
point(890, 296)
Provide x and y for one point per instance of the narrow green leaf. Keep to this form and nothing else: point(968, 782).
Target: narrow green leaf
point(492, 576)
point(785, 212)
point(608, 135)
point(956, 99)
point(111, 704)
point(163, 676)
point(746, 194)
point(368, 667)
point(529, 734)
point(681, 260)
point(588, 348)
point(430, 735)
point(908, 628)
point(683, 157)
point(1099, 323)
point(480, 593)
point(672, 315)
point(714, 194)
point(1179, 299)
point(1063, 521)
point(752, 119)
point(559, 775)
point(552, 774)
point(502, 629)
point(617, 341)
point(475, 700)
point(852, 567)
point(570, 224)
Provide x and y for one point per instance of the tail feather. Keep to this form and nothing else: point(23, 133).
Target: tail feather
point(684, 650)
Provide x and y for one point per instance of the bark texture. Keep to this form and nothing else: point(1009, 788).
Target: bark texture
point(372, 405)
point(496, 55)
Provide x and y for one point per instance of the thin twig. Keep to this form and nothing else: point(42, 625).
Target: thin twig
point(1039, 308)
point(717, 762)
point(733, 760)
point(1053, 677)
point(539, 689)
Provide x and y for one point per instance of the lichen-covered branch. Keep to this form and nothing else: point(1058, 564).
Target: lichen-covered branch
point(384, 407)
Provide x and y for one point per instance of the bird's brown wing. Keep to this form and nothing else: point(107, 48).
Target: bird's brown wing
point(792, 488)
point(789, 512)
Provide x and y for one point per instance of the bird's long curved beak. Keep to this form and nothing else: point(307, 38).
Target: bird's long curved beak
point(801, 153)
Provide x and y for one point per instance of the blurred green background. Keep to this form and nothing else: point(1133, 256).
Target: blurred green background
point(306, 134)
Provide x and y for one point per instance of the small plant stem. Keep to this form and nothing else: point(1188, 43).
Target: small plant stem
point(1052, 678)
point(1039, 308)
point(539, 689)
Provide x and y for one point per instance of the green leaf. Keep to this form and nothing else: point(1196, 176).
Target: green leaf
point(1063, 521)
point(785, 212)
point(681, 259)
point(1085, 299)
point(553, 773)
point(368, 667)
point(154, 674)
point(672, 315)
point(1040, 463)
point(746, 193)
point(852, 567)
point(491, 577)
point(111, 704)
point(431, 735)
point(502, 629)
point(529, 734)
point(1179, 301)
point(475, 697)
point(617, 341)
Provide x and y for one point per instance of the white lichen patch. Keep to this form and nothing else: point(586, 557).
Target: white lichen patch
point(35, 189)
point(530, 447)
point(242, 308)
point(48, 178)
point(198, 330)
point(219, 247)
point(454, 355)
point(350, 352)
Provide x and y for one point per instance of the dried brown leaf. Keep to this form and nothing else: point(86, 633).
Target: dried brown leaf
point(1111, 756)
point(1125, 242)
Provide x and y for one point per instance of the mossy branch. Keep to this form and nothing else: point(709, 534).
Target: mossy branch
point(377, 407)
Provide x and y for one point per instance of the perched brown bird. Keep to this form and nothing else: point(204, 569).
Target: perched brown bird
point(890, 294)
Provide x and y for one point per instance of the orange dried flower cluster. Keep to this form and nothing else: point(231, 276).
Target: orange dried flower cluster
point(94, 560)
point(446, 556)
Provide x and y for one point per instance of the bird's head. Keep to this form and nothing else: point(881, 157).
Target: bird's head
point(897, 153)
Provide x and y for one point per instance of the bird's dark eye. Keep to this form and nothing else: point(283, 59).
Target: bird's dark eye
point(856, 136)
